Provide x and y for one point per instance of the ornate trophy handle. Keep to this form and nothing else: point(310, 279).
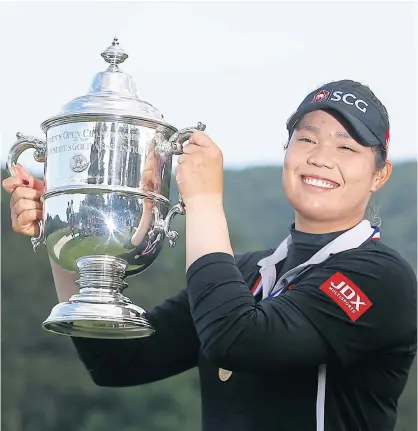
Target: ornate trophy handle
point(179, 138)
point(176, 143)
point(172, 235)
point(22, 144)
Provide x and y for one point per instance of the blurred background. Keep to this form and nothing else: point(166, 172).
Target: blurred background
point(240, 67)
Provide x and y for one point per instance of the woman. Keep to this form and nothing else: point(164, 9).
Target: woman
point(317, 335)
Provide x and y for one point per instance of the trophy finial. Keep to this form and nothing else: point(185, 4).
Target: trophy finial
point(114, 54)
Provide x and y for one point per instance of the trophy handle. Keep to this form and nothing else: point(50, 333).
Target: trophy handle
point(38, 240)
point(172, 235)
point(176, 143)
point(170, 147)
point(179, 138)
point(22, 144)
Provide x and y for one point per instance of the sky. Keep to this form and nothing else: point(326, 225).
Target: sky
point(242, 68)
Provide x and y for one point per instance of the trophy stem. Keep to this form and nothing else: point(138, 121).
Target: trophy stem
point(99, 310)
point(101, 273)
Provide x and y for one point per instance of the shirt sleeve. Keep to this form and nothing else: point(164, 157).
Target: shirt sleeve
point(172, 349)
point(309, 324)
point(241, 335)
point(361, 302)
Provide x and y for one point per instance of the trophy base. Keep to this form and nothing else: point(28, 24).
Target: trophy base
point(95, 320)
point(99, 310)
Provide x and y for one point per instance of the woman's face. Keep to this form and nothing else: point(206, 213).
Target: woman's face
point(328, 177)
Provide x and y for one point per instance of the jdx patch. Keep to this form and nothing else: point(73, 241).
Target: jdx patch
point(347, 295)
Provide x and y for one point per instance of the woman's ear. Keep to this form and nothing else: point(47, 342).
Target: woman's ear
point(381, 176)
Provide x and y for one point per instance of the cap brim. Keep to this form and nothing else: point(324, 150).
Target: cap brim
point(361, 132)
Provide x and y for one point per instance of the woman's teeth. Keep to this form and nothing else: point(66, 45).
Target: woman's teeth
point(319, 183)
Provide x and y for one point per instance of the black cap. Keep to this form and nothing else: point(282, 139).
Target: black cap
point(370, 127)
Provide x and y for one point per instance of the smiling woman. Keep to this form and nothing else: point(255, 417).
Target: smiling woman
point(338, 145)
point(297, 338)
point(328, 176)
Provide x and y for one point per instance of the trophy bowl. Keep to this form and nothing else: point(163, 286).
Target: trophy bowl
point(106, 211)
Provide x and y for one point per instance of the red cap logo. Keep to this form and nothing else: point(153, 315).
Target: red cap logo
point(321, 96)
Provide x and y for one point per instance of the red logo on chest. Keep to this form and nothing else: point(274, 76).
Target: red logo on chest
point(347, 295)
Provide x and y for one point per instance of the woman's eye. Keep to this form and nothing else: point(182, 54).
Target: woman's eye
point(306, 140)
point(344, 147)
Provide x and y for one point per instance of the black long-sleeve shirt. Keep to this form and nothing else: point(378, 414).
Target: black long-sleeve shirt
point(283, 351)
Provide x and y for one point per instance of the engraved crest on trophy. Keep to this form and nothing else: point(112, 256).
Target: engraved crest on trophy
point(79, 163)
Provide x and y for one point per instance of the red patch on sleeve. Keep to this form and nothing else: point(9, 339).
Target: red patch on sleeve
point(347, 295)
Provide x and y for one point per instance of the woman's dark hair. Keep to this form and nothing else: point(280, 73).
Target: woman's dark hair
point(380, 151)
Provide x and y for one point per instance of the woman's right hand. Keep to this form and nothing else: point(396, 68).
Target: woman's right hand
point(25, 204)
point(26, 210)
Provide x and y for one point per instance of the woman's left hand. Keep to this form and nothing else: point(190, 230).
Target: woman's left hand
point(199, 173)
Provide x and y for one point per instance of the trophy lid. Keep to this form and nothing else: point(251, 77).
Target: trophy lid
point(112, 92)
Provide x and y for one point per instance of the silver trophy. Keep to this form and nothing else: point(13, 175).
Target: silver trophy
point(106, 210)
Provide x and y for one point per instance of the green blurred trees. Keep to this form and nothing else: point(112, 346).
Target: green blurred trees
point(46, 388)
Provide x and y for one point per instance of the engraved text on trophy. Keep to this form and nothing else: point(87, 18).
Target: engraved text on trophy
point(96, 153)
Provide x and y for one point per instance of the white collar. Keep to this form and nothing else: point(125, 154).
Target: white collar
point(351, 239)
